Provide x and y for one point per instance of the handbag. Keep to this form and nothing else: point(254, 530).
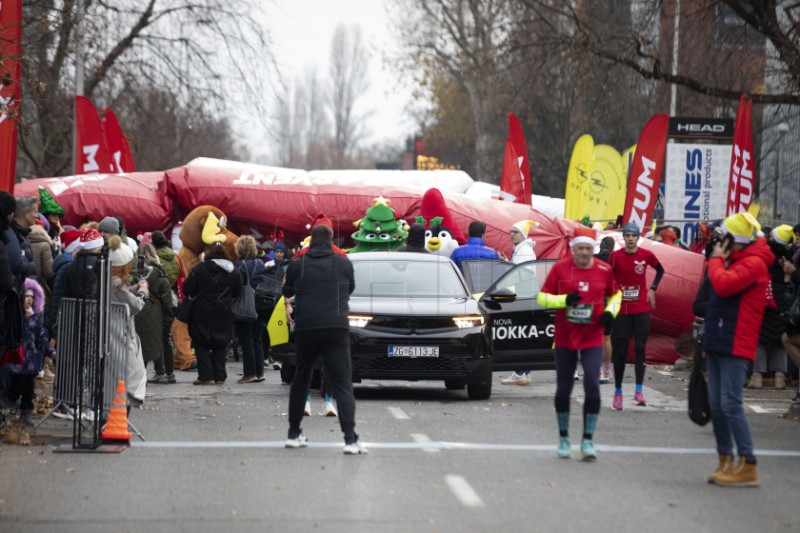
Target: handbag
point(244, 307)
point(12, 320)
point(699, 410)
point(179, 281)
point(184, 310)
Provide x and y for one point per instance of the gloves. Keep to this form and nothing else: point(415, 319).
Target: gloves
point(606, 319)
point(573, 298)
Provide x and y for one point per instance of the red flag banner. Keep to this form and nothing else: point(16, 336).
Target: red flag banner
point(118, 149)
point(742, 176)
point(91, 154)
point(10, 73)
point(646, 170)
point(515, 184)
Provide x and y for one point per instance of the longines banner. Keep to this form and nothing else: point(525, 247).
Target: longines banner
point(696, 184)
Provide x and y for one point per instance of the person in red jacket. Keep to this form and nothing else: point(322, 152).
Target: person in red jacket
point(737, 270)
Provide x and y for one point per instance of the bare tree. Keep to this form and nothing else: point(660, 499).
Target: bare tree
point(204, 52)
point(348, 81)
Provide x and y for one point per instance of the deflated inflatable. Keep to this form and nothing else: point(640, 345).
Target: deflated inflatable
point(263, 200)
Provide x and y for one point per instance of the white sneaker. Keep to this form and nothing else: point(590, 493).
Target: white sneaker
point(328, 409)
point(298, 442)
point(516, 379)
point(307, 409)
point(356, 448)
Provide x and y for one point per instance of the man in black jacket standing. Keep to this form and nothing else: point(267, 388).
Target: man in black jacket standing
point(321, 282)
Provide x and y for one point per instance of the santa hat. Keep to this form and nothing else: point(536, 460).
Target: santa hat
point(524, 226)
point(784, 234)
point(583, 235)
point(144, 238)
point(90, 239)
point(321, 220)
point(433, 205)
point(71, 239)
point(742, 227)
point(118, 253)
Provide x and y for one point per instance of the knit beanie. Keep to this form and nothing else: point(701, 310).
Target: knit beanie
point(630, 227)
point(109, 225)
point(279, 246)
point(48, 204)
point(118, 253)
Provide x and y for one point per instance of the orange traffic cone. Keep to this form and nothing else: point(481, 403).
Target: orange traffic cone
point(117, 425)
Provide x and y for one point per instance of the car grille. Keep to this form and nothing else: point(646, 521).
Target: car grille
point(393, 364)
point(411, 324)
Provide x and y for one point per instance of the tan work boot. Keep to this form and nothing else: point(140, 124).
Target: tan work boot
point(744, 475)
point(756, 381)
point(725, 465)
point(780, 380)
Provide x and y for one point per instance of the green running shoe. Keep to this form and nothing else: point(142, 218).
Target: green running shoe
point(563, 448)
point(587, 450)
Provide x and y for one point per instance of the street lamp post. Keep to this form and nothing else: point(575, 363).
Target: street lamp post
point(783, 129)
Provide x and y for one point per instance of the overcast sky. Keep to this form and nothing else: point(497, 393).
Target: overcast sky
point(301, 32)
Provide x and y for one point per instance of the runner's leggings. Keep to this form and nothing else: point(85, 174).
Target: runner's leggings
point(625, 327)
point(566, 363)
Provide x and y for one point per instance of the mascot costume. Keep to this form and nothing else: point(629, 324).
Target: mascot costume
point(379, 230)
point(443, 235)
point(203, 225)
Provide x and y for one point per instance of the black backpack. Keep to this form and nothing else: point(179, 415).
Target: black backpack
point(270, 289)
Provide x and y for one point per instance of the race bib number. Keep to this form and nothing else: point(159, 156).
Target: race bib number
point(580, 313)
point(630, 293)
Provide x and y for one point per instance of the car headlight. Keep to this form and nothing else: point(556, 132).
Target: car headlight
point(358, 321)
point(469, 321)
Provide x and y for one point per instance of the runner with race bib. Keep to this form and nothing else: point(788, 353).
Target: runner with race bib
point(584, 293)
point(629, 265)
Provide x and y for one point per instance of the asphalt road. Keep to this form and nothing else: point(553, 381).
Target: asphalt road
point(213, 460)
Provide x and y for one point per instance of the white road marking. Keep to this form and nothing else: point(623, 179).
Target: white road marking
point(452, 446)
point(465, 494)
point(424, 439)
point(758, 409)
point(663, 373)
point(397, 413)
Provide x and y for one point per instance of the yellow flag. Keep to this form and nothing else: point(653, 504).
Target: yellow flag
point(606, 187)
point(278, 325)
point(581, 165)
point(754, 208)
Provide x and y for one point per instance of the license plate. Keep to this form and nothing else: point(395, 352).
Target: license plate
point(413, 351)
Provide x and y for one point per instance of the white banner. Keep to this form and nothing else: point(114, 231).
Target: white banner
point(696, 184)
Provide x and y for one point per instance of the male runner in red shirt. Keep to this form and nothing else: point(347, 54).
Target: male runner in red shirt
point(583, 291)
point(629, 265)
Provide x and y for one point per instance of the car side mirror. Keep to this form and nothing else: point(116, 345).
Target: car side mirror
point(503, 296)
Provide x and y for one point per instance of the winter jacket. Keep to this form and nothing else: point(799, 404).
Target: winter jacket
point(136, 378)
point(6, 277)
point(252, 266)
point(61, 267)
point(774, 324)
point(21, 264)
point(212, 285)
point(155, 314)
point(321, 282)
point(35, 345)
point(701, 299)
point(42, 250)
point(474, 249)
point(523, 252)
point(738, 298)
point(169, 262)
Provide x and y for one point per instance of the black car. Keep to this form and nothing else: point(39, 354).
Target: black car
point(412, 317)
point(518, 331)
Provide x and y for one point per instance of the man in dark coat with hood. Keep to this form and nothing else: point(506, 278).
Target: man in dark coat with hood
point(416, 240)
point(321, 282)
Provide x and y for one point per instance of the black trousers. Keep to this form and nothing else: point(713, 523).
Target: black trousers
point(20, 386)
point(334, 347)
point(210, 364)
point(625, 327)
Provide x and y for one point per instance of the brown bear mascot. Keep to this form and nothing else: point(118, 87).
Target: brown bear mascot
point(203, 225)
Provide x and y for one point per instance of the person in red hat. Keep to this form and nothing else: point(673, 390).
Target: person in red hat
point(586, 299)
point(321, 220)
point(71, 241)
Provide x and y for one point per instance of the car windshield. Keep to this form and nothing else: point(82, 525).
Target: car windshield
point(523, 280)
point(410, 279)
